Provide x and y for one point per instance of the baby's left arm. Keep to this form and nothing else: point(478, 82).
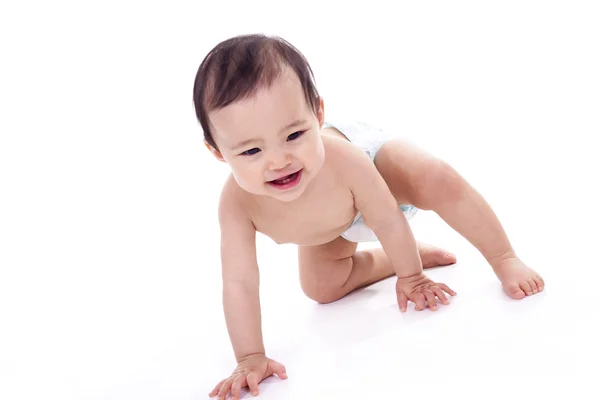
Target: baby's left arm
point(381, 213)
point(380, 210)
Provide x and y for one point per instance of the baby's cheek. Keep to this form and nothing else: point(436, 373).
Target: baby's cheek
point(313, 156)
point(248, 180)
point(240, 178)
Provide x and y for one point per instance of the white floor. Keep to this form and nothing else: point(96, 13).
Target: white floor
point(109, 265)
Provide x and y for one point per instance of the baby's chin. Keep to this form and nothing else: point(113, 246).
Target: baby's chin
point(267, 191)
point(287, 197)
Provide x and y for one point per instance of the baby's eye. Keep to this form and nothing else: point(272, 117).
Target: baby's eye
point(295, 135)
point(251, 152)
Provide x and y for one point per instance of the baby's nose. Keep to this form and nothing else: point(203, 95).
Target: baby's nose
point(279, 161)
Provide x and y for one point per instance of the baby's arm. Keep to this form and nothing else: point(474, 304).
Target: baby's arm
point(241, 301)
point(380, 211)
point(240, 277)
point(379, 208)
point(382, 214)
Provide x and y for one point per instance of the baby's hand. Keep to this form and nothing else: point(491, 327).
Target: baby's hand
point(251, 370)
point(422, 291)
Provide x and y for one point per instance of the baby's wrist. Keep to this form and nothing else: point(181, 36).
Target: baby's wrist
point(250, 355)
point(405, 276)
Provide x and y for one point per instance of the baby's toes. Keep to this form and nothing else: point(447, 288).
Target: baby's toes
point(514, 291)
point(533, 285)
point(540, 283)
point(526, 286)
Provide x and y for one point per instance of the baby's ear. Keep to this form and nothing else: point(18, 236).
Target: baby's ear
point(321, 112)
point(214, 151)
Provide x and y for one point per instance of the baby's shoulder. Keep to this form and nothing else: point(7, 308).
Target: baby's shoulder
point(348, 162)
point(337, 148)
point(343, 155)
point(233, 198)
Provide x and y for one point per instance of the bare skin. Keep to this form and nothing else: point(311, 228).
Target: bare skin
point(338, 179)
point(333, 270)
point(330, 266)
point(442, 194)
point(255, 368)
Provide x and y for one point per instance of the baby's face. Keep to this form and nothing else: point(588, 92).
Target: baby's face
point(272, 140)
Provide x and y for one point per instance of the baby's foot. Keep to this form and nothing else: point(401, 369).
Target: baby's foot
point(518, 280)
point(432, 256)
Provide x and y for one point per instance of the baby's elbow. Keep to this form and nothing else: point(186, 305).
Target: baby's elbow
point(386, 221)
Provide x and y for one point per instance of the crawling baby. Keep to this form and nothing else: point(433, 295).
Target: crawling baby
point(324, 186)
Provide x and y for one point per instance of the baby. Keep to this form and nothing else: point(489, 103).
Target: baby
point(325, 187)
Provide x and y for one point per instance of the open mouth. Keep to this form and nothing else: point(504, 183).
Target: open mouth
point(287, 181)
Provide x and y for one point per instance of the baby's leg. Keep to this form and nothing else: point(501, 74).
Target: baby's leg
point(417, 178)
point(330, 271)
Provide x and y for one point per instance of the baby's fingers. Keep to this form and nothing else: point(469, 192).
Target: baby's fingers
point(236, 388)
point(278, 369)
point(402, 300)
point(225, 389)
point(430, 299)
point(440, 294)
point(419, 300)
point(253, 380)
point(216, 389)
point(446, 289)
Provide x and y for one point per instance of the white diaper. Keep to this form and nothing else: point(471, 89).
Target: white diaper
point(370, 140)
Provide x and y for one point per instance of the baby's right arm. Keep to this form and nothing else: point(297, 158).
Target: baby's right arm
point(240, 277)
point(241, 301)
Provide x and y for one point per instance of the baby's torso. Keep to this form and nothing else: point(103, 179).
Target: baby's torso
point(322, 214)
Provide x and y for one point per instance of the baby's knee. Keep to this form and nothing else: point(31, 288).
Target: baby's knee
point(322, 297)
point(319, 285)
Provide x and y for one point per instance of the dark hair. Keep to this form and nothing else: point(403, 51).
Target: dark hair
point(237, 67)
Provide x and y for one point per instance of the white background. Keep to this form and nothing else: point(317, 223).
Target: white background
point(109, 252)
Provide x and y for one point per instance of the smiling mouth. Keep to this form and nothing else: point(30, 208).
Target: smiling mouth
point(287, 181)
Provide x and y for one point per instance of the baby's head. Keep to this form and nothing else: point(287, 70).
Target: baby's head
point(261, 113)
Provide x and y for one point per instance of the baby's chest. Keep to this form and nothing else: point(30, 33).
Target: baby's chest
point(312, 223)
